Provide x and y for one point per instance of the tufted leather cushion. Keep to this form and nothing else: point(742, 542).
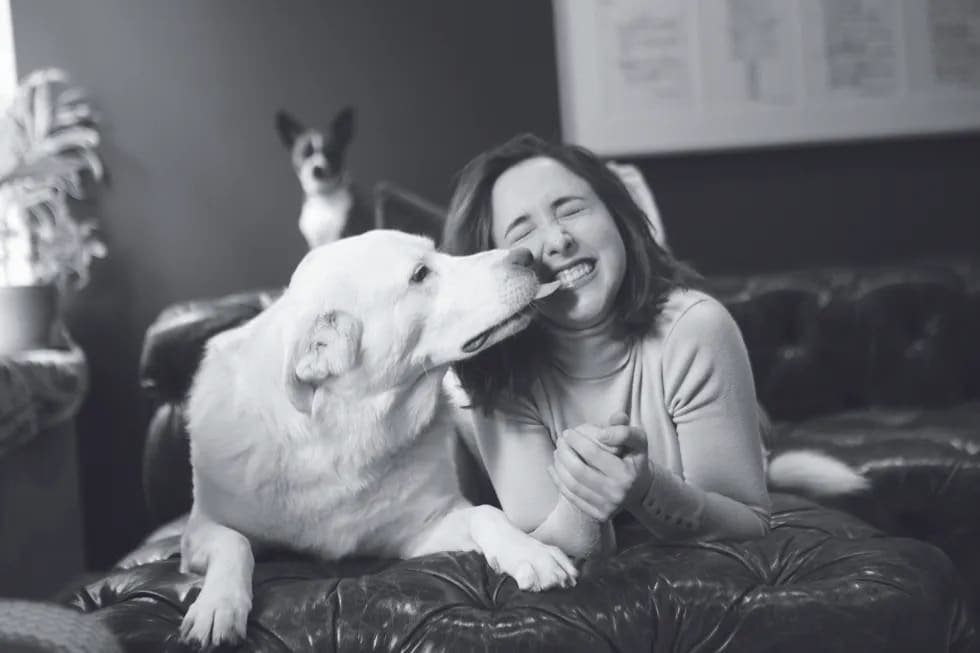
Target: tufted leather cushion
point(924, 465)
point(834, 339)
point(819, 574)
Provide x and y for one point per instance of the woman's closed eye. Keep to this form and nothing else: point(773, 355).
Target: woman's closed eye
point(520, 229)
point(519, 234)
point(570, 210)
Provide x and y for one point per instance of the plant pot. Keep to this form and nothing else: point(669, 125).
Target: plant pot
point(27, 314)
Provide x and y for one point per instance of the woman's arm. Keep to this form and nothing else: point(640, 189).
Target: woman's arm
point(517, 450)
point(675, 509)
point(710, 394)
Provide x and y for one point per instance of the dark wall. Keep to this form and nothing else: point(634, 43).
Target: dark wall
point(872, 202)
point(202, 200)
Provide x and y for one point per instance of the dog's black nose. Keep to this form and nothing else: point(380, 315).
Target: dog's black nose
point(520, 256)
point(318, 172)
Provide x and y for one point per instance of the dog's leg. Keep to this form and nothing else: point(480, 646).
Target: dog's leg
point(224, 557)
point(534, 565)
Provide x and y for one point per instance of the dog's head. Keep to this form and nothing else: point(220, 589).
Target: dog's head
point(318, 157)
point(379, 311)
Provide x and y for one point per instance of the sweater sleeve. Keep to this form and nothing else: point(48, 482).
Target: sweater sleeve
point(516, 449)
point(710, 395)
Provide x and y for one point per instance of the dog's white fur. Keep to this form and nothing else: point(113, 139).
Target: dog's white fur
point(321, 425)
point(815, 474)
point(325, 215)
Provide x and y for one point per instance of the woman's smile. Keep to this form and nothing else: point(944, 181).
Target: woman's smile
point(577, 274)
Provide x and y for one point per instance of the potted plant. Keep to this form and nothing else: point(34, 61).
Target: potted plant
point(49, 142)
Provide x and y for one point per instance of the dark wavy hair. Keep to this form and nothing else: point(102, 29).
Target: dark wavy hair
point(651, 272)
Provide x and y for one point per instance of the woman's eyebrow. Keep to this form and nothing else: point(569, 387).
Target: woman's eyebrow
point(565, 199)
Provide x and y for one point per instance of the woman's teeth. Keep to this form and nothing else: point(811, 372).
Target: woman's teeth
point(569, 276)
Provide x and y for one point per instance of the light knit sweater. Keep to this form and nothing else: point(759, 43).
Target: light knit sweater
point(687, 384)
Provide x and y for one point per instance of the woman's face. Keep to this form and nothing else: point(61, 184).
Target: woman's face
point(541, 205)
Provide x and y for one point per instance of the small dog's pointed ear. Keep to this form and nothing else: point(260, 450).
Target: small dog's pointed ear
point(342, 128)
point(288, 128)
point(328, 348)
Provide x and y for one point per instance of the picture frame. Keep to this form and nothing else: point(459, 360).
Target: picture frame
point(643, 77)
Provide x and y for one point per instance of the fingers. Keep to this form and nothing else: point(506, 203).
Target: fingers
point(596, 434)
point(607, 477)
point(611, 436)
point(588, 430)
point(636, 439)
point(624, 436)
point(615, 436)
point(563, 481)
point(619, 418)
point(582, 473)
point(587, 508)
point(594, 454)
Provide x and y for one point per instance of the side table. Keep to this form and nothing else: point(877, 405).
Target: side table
point(41, 544)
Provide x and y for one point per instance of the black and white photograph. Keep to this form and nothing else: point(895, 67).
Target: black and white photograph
point(626, 326)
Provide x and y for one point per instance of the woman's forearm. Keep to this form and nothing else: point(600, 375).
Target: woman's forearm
point(574, 532)
point(676, 510)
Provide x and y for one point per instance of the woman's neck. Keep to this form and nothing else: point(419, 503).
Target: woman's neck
point(587, 353)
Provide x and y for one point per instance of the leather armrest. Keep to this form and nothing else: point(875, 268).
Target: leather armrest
point(174, 343)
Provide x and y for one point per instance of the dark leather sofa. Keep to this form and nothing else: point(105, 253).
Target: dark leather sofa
point(878, 366)
point(881, 368)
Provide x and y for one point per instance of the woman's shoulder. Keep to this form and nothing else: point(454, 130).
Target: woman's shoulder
point(692, 314)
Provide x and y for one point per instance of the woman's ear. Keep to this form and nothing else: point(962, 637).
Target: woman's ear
point(327, 348)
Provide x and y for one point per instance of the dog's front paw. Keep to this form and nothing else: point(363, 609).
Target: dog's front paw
point(536, 566)
point(215, 618)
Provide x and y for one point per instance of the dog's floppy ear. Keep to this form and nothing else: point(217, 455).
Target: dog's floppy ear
point(342, 128)
point(288, 128)
point(329, 347)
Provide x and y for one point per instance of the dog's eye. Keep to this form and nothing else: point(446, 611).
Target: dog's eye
point(307, 150)
point(421, 272)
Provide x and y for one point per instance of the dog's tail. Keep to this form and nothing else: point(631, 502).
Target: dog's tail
point(814, 474)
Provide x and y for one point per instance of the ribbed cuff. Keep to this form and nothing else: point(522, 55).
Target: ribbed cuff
point(670, 503)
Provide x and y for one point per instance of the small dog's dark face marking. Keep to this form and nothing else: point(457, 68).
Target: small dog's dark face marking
point(318, 159)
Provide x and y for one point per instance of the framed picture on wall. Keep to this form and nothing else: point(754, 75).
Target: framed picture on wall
point(651, 76)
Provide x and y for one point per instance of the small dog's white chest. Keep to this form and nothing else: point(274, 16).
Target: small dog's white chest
point(324, 217)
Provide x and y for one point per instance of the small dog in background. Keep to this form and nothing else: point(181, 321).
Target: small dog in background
point(332, 208)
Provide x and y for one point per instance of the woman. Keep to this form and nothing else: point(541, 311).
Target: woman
point(630, 390)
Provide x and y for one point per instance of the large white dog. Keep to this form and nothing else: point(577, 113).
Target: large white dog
point(321, 425)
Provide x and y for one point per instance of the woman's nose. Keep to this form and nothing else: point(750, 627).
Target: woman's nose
point(520, 256)
point(558, 241)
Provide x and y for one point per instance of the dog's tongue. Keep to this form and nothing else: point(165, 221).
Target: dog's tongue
point(547, 289)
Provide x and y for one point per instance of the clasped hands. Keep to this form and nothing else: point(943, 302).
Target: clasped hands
point(602, 469)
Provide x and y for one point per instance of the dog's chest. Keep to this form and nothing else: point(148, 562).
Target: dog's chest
point(324, 217)
point(311, 501)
